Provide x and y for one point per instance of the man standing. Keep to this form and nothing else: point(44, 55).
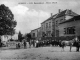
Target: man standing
point(70, 43)
point(77, 44)
point(63, 45)
point(33, 43)
point(24, 42)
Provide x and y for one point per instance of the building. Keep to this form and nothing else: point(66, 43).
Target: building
point(47, 29)
point(50, 27)
point(39, 33)
point(61, 17)
point(70, 27)
point(8, 37)
point(36, 33)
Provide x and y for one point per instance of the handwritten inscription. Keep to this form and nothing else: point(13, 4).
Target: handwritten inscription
point(37, 3)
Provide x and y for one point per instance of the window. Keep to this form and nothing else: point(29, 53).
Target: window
point(49, 24)
point(33, 34)
point(42, 27)
point(46, 25)
point(69, 30)
point(43, 34)
point(56, 23)
point(48, 33)
point(65, 31)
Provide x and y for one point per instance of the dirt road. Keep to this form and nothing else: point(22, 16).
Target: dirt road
point(42, 53)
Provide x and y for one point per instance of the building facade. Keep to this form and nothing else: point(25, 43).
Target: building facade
point(50, 27)
point(61, 17)
point(47, 29)
point(36, 33)
point(70, 27)
point(39, 33)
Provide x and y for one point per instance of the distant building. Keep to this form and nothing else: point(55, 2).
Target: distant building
point(4, 38)
point(36, 33)
point(15, 36)
point(70, 27)
point(8, 37)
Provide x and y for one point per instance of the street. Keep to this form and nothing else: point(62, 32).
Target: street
point(41, 53)
point(39, 29)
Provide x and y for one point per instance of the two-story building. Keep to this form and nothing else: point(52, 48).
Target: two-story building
point(61, 17)
point(47, 28)
point(50, 27)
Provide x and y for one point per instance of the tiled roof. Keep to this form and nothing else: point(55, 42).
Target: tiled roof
point(75, 18)
point(65, 12)
point(52, 17)
point(57, 15)
point(61, 13)
point(49, 18)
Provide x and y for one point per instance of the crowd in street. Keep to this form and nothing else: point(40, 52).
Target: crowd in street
point(43, 43)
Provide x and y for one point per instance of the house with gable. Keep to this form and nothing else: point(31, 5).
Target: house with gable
point(61, 17)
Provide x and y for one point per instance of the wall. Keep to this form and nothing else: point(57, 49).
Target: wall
point(47, 29)
point(69, 24)
point(34, 33)
point(57, 21)
point(68, 14)
point(37, 33)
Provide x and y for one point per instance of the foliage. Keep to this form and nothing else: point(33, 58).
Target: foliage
point(7, 22)
point(20, 36)
point(28, 36)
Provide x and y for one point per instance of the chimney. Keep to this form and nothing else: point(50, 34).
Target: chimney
point(51, 14)
point(59, 10)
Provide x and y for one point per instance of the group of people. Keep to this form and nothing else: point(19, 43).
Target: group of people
point(40, 43)
point(74, 42)
point(18, 45)
point(24, 43)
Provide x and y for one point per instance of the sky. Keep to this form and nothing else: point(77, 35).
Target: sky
point(29, 14)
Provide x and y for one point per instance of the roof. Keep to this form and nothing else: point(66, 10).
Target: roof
point(57, 15)
point(75, 18)
point(61, 13)
point(49, 18)
point(65, 12)
point(36, 29)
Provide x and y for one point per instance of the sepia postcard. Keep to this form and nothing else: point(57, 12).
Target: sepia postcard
point(39, 29)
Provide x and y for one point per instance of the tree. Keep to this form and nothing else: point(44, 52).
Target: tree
point(19, 36)
point(28, 35)
point(7, 22)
